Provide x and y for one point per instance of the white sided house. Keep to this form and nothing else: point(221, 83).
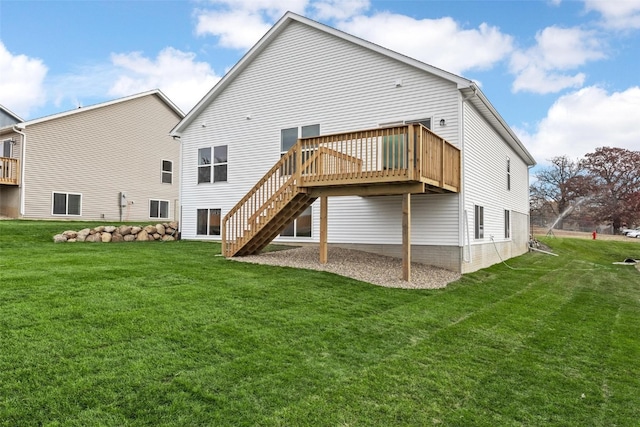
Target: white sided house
point(319, 136)
point(111, 161)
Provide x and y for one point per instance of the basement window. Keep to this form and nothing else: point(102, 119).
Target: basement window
point(208, 222)
point(159, 209)
point(479, 222)
point(67, 204)
point(300, 227)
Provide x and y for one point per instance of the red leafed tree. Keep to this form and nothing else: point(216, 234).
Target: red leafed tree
point(615, 185)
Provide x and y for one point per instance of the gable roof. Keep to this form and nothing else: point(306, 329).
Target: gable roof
point(10, 113)
point(156, 92)
point(467, 87)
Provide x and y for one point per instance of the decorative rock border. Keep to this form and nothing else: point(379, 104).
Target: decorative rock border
point(167, 231)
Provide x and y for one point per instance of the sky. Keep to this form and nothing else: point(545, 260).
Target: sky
point(564, 74)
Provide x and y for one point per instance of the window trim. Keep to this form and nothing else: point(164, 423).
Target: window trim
point(160, 201)
point(208, 224)
point(212, 165)
point(478, 221)
point(67, 194)
point(294, 223)
point(507, 224)
point(215, 164)
point(164, 172)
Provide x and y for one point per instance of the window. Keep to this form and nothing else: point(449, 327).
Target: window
point(219, 164)
point(300, 227)
point(204, 165)
point(507, 224)
point(479, 222)
point(67, 204)
point(159, 209)
point(508, 173)
point(208, 222)
point(167, 172)
point(289, 138)
point(6, 147)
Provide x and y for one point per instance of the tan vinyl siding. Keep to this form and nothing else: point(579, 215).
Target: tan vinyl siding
point(100, 153)
point(305, 77)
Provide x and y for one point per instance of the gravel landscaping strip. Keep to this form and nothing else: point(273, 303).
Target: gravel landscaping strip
point(367, 267)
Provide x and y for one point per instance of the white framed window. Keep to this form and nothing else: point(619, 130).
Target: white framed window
point(212, 168)
point(289, 138)
point(66, 204)
point(301, 226)
point(167, 172)
point(479, 222)
point(208, 222)
point(507, 224)
point(159, 209)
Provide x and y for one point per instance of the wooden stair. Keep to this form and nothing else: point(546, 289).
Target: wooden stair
point(402, 159)
point(268, 231)
point(265, 211)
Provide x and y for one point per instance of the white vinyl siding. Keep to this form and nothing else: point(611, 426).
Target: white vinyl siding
point(306, 76)
point(486, 181)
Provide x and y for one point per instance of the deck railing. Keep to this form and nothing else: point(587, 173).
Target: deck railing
point(399, 153)
point(9, 171)
point(407, 153)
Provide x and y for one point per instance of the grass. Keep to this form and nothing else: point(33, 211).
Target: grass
point(167, 334)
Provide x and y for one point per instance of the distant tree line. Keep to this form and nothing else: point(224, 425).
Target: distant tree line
point(601, 188)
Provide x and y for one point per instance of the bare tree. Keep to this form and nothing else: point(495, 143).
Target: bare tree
point(615, 181)
point(558, 187)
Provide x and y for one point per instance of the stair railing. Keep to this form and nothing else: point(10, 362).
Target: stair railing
point(244, 219)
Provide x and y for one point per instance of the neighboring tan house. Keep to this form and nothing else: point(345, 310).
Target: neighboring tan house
point(319, 136)
point(113, 161)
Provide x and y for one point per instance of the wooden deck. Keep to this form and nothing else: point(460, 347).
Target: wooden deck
point(9, 171)
point(406, 159)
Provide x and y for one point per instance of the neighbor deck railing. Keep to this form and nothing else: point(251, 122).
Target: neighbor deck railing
point(9, 171)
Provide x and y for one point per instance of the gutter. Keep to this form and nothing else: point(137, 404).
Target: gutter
point(23, 152)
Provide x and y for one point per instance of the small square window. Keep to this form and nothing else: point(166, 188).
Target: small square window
point(159, 209)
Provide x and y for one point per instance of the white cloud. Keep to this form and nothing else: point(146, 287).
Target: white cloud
point(184, 80)
point(584, 120)
point(619, 14)
point(21, 85)
point(239, 24)
point(542, 68)
point(439, 42)
point(339, 9)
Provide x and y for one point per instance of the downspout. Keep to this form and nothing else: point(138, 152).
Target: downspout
point(23, 152)
point(465, 257)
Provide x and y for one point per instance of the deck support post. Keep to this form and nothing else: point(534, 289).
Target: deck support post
point(406, 237)
point(323, 229)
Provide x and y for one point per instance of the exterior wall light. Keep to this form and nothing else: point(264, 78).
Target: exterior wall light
point(442, 122)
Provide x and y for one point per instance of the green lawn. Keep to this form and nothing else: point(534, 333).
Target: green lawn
point(167, 334)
